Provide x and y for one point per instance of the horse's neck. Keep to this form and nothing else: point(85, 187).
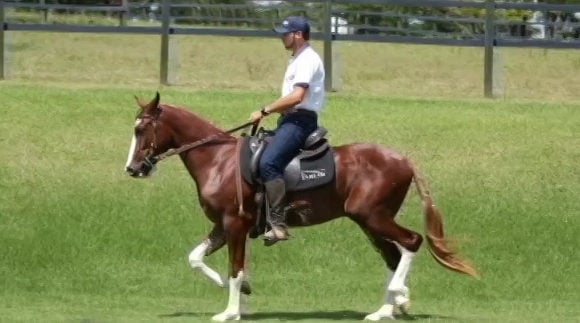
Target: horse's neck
point(187, 127)
point(200, 161)
point(209, 162)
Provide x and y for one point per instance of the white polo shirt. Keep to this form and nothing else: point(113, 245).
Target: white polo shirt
point(306, 69)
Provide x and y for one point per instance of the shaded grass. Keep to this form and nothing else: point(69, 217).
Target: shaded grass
point(82, 241)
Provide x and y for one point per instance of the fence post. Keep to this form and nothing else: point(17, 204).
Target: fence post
point(44, 10)
point(327, 44)
point(124, 13)
point(164, 75)
point(498, 89)
point(489, 44)
point(2, 44)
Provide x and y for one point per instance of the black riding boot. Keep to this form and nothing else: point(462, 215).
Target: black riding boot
point(276, 194)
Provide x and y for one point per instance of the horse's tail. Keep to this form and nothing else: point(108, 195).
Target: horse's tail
point(438, 245)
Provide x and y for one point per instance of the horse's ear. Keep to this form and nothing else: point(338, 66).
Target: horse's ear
point(155, 103)
point(148, 106)
point(140, 103)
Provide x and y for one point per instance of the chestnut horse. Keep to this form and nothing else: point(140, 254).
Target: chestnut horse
point(370, 185)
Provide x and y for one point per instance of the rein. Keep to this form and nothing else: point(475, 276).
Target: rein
point(151, 161)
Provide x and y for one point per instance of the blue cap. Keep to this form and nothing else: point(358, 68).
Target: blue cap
point(293, 24)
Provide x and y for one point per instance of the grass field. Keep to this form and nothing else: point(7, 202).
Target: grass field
point(81, 241)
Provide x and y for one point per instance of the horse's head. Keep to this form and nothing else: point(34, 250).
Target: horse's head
point(149, 140)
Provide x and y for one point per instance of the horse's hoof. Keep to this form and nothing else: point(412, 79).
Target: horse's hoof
point(225, 316)
point(401, 300)
point(246, 289)
point(378, 317)
point(403, 308)
point(384, 313)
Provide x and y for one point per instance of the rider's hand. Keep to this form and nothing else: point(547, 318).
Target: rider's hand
point(256, 116)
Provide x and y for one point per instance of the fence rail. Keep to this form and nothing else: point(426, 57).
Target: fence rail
point(365, 25)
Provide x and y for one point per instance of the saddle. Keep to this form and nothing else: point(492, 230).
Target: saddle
point(312, 168)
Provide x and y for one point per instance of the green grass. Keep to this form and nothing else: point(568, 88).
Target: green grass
point(81, 241)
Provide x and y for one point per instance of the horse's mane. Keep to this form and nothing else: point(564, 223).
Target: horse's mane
point(186, 113)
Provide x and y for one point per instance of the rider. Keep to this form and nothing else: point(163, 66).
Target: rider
point(303, 98)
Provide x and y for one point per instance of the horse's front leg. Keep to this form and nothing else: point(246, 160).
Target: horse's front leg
point(236, 230)
point(214, 241)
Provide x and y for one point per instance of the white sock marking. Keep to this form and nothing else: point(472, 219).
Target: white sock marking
point(196, 262)
point(232, 311)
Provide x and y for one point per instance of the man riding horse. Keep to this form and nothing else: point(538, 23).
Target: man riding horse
point(303, 98)
point(369, 181)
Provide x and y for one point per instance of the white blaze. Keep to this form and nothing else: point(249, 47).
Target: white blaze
point(131, 153)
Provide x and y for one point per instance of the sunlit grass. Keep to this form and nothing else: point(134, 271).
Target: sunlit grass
point(83, 241)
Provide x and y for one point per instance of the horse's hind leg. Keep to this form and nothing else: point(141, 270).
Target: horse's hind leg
point(408, 243)
point(392, 255)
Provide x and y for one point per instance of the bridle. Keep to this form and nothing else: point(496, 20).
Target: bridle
point(151, 159)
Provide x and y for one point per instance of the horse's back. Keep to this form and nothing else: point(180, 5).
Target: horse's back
point(373, 162)
point(371, 153)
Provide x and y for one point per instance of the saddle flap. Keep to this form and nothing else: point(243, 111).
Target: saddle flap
point(310, 169)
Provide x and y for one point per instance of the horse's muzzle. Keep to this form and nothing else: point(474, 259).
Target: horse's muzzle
point(132, 172)
point(143, 170)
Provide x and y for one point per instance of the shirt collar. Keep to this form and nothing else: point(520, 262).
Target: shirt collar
point(301, 49)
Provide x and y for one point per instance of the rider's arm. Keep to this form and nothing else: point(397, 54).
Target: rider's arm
point(289, 101)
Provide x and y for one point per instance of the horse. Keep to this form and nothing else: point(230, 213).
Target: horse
point(369, 186)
